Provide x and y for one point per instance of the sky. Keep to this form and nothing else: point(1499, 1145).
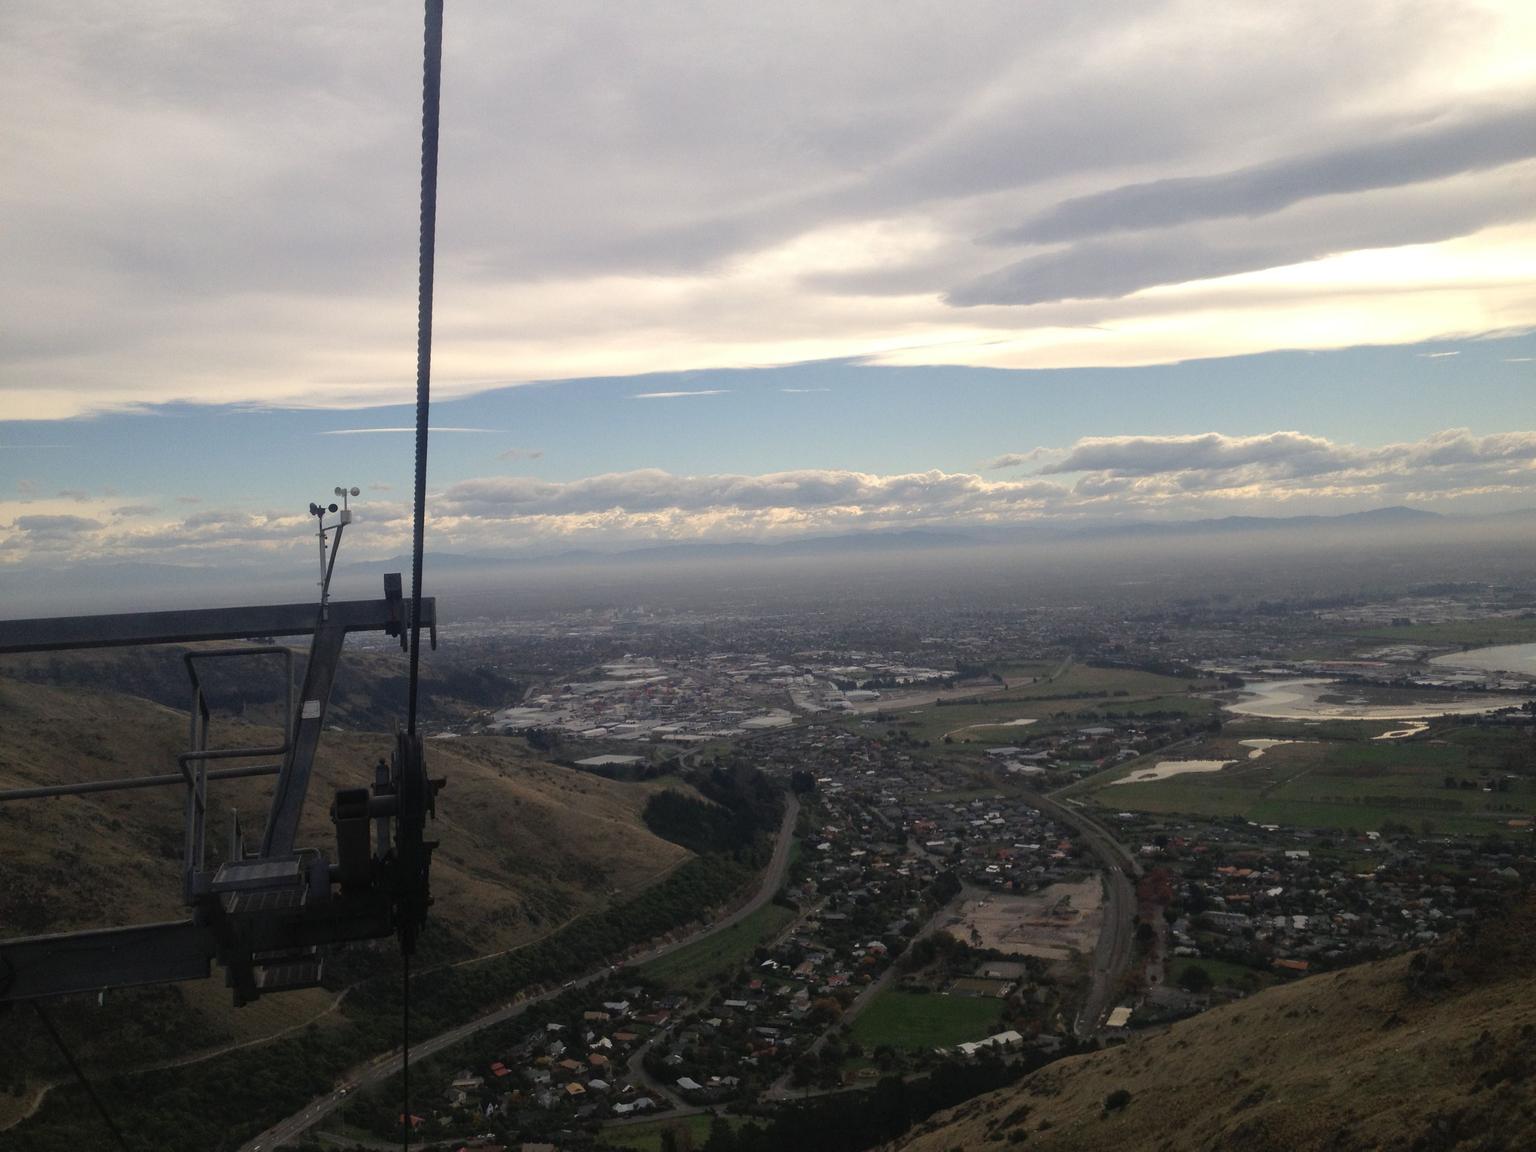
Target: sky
point(726, 272)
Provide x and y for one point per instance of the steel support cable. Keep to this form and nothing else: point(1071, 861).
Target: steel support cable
point(80, 1075)
point(431, 88)
point(405, 1062)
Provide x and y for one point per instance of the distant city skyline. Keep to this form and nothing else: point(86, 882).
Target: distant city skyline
point(707, 273)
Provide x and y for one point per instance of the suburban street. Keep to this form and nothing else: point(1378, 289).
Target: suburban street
point(383, 1067)
point(781, 1089)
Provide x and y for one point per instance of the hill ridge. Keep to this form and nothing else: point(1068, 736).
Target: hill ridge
point(1430, 1050)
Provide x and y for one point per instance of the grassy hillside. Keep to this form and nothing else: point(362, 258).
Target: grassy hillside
point(1427, 1051)
point(368, 694)
point(526, 846)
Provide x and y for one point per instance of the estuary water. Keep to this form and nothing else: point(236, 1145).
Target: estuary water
point(1300, 700)
point(1500, 658)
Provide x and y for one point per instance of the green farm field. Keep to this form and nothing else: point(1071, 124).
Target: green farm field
point(1014, 672)
point(720, 953)
point(1335, 784)
point(1477, 633)
point(1081, 693)
point(925, 1020)
point(1272, 728)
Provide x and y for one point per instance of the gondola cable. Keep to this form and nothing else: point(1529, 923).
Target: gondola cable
point(79, 1072)
point(432, 64)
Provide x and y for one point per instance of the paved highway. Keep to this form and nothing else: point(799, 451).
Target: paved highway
point(383, 1067)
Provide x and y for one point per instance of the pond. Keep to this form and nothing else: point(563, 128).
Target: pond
point(1304, 700)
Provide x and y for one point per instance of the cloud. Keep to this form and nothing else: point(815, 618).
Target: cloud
point(1150, 455)
point(704, 187)
point(521, 454)
point(1119, 265)
point(1288, 466)
point(1446, 146)
point(1435, 355)
point(55, 527)
point(1165, 477)
point(679, 395)
point(1459, 446)
point(1019, 459)
point(651, 490)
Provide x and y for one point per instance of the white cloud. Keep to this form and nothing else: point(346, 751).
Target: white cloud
point(1151, 455)
point(679, 395)
point(1123, 477)
point(1020, 459)
point(1148, 471)
point(652, 490)
point(725, 186)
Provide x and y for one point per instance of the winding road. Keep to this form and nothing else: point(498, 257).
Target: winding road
point(382, 1067)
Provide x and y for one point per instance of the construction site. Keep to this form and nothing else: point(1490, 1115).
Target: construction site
point(1055, 923)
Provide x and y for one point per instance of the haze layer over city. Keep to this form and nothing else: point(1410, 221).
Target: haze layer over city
point(972, 580)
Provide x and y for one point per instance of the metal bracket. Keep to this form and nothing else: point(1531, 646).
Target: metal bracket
point(266, 917)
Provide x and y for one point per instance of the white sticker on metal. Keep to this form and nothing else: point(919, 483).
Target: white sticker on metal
point(311, 709)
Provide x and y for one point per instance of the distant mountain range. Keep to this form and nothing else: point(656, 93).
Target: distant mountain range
point(95, 586)
point(932, 538)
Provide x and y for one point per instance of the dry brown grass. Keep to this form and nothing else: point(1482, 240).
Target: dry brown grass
point(1359, 1059)
point(525, 845)
point(523, 842)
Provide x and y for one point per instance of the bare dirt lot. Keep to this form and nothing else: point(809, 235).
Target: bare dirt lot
point(1054, 924)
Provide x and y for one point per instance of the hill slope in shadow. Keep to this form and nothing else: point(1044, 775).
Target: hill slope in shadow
point(1424, 1052)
